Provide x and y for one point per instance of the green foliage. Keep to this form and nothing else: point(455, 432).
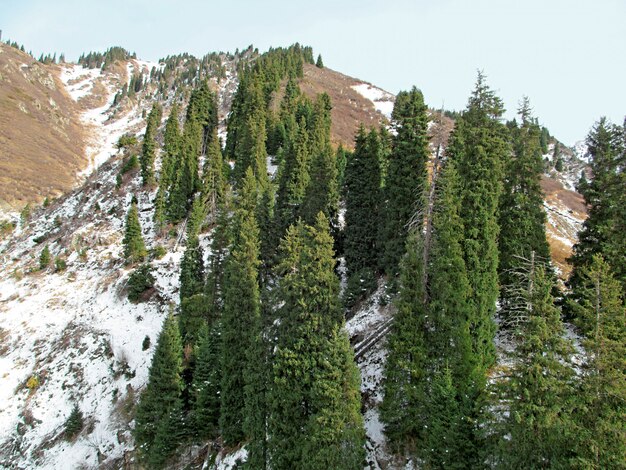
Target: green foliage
point(148, 150)
point(74, 423)
point(134, 246)
point(240, 319)
point(129, 165)
point(140, 280)
point(539, 385)
point(402, 409)
point(207, 382)
point(478, 146)
point(604, 231)
point(406, 178)
point(45, 258)
point(60, 264)
point(314, 402)
point(156, 430)
point(362, 196)
point(601, 397)
point(522, 217)
point(319, 63)
point(126, 141)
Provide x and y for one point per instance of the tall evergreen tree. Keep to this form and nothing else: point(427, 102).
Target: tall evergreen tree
point(601, 398)
point(604, 231)
point(294, 178)
point(213, 186)
point(406, 179)
point(362, 196)
point(241, 312)
point(148, 150)
point(171, 149)
point(322, 192)
point(315, 420)
point(161, 398)
point(478, 146)
point(206, 382)
point(522, 218)
point(404, 386)
point(538, 418)
point(134, 246)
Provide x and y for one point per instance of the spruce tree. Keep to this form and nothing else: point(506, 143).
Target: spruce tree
point(362, 196)
point(45, 258)
point(171, 149)
point(478, 146)
point(404, 385)
point(134, 246)
point(601, 397)
point(319, 63)
point(604, 231)
point(315, 420)
point(294, 178)
point(213, 186)
point(241, 312)
point(206, 381)
point(538, 418)
point(322, 192)
point(406, 179)
point(161, 398)
point(148, 150)
point(522, 218)
point(192, 311)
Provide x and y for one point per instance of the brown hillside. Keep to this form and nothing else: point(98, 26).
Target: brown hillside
point(350, 109)
point(41, 141)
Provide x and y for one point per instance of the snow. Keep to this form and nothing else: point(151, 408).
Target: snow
point(383, 101)
point(78, 80)
point(229, 461)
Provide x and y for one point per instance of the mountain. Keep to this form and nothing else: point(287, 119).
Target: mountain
point(69, 335)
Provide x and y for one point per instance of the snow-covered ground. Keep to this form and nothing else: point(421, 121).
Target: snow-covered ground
point(383, 101)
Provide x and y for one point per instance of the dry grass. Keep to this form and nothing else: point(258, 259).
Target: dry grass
point(350, 109)
point(41, 141)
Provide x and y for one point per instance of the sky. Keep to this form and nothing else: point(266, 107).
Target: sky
point(567, 56)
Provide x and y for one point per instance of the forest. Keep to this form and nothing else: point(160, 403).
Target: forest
point(257, 355)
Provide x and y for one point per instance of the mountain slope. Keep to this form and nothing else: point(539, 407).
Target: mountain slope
point(41, 140)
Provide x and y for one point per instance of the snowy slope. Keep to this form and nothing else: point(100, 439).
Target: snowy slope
point(382, 100)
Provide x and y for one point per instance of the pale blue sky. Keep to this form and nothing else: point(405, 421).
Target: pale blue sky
point(568, 56)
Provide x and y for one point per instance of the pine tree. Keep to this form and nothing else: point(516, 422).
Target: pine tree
point(322, 192)
point(206, 381)
point(319, 64)
point(134, 246)
point(406, 178)
point(213, 186)
point(404, 386)
point(161, 397)
point(192, 311)
point(539, 384)
point(478, 146)
point(362, 196)
point(149, 144)
point(601, 398)
point(294, 178)
point(315, 420)
point(45, 258)
point(522, 218)
point(171, 149)
point(241, 312)
point(604, 231)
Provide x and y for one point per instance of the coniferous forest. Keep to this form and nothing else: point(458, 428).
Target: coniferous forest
point(257, 356)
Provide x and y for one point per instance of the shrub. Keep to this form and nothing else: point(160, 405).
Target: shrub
point(74, 423)
point(140, 281)
point(146, 343)
point(32, 383)
point(130, 165)
point(59, 264)
point(159, 252)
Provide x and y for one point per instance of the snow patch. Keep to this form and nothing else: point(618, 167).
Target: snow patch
point(382, 100)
